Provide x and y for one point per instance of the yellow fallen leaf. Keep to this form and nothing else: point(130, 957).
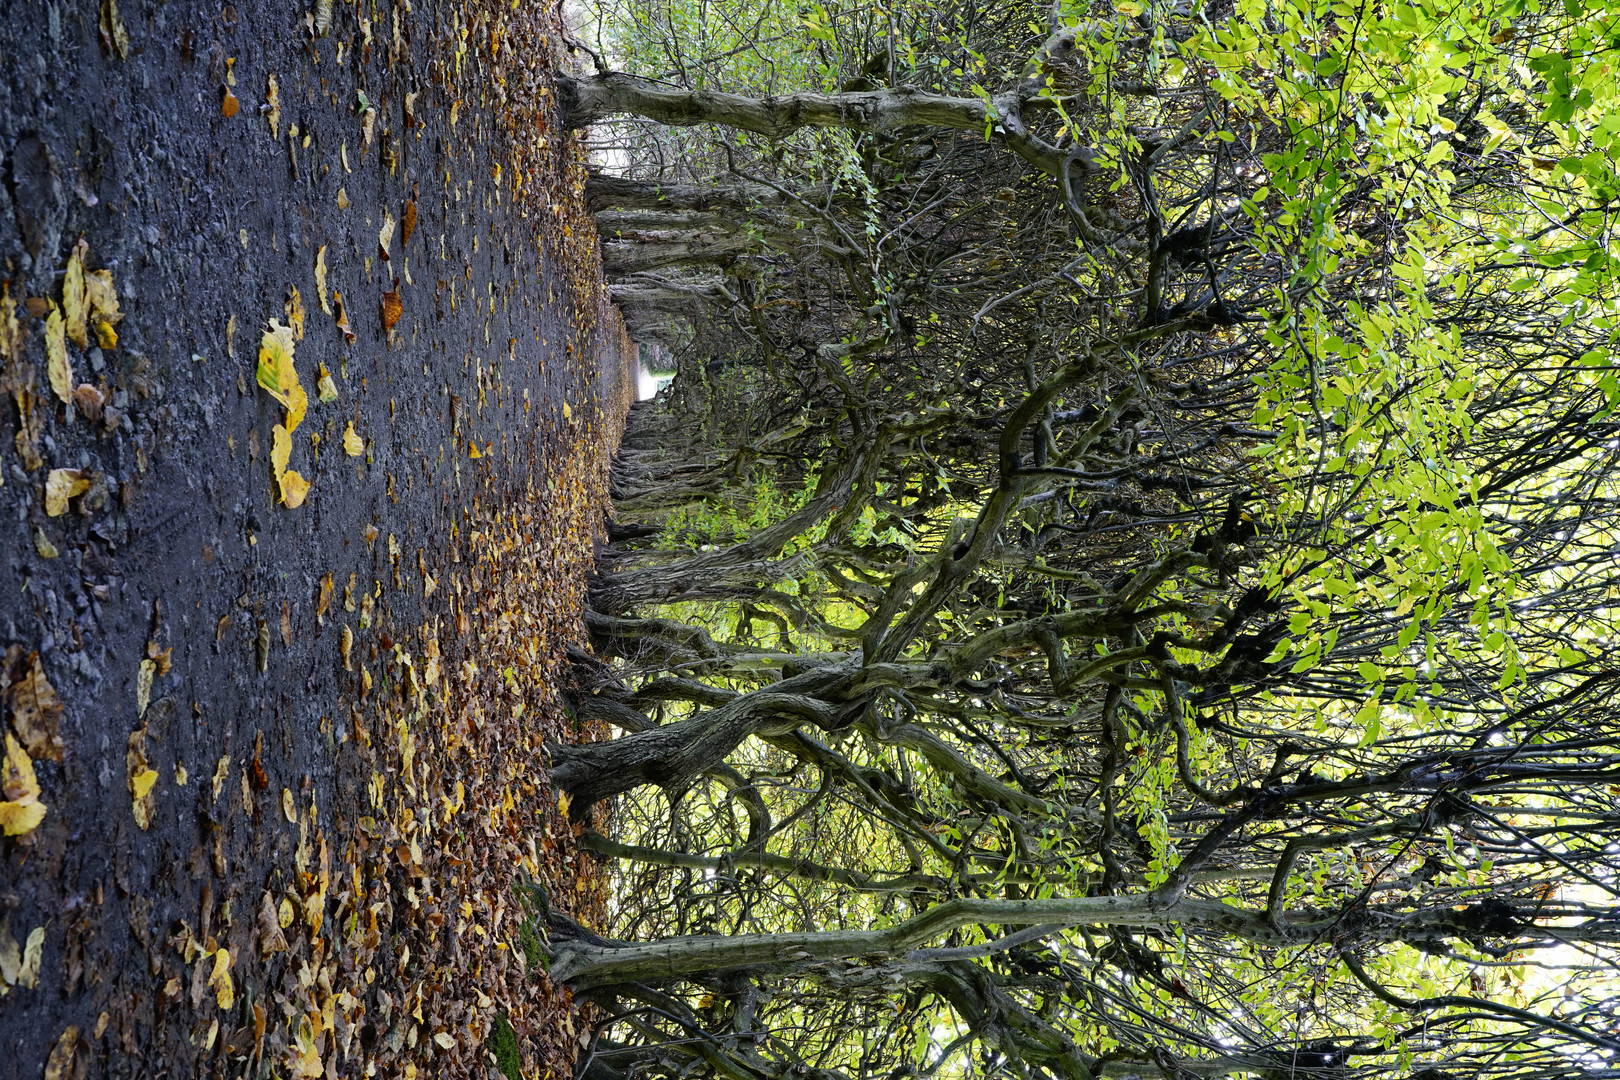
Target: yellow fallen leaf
point(62, 485)
point(288, 810)
point(320, 277)
point(43, 545)
point(142, 782)
point(444, 1040)
point(56, 358)
point(294, 489)
point(113, 31)
point(295, 312)
point(74, 308)
point(284, 913)
point(103, 296)
point(272, 98)
point(280, 450)
point(473, 451)
point(21, 818)
point(143, 685)
point(221, 771)
point(33, 953)
point(385, 235)
point(353, 445)
point(220, 979)
point(277, 374)
point(181, 777)
point(17, 780)
point(568, 414)
point(325, 388)
point(59, 1066)
point(106, 336)
point(342, 199)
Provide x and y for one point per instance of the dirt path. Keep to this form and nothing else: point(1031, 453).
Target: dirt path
point(289, 756)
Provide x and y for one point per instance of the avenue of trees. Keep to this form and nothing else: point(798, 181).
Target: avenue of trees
point(1125, 580)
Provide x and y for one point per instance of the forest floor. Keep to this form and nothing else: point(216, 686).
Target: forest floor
point(290, 756)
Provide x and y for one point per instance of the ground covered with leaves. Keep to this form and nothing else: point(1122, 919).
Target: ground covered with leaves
point(309, 382)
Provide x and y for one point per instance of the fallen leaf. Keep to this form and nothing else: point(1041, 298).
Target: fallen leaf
point(75, 310)
point(35, 708)
point(286, 624)
point(288, 810)
point(284, 913)
point(228, 105)
point(221, 771)
point(114, 36)
point(342, 199)
point(62, 485)
point(220, 979)
point(294, 307)
point(142, 782)
point(346, 645)
point(43, 545)
point(271, 939)
point(33, 953)
point(342, 317)
point(385, 236)
point(325, 388)
point(320, 279)
point(272, 98)
point(407, 224)
point(353, 445)
point(143, 685)
point(102, 295)
point(106, 336)
point(181, 777)
point(11, 330)
point(294, 488)
point(10, 957)
point(21, 812)
point(277, 374)
point(392, 309)
point(89, 402)
point(325, 598)
point(56, 359)
point(444, 1040)
point(142, 801)
point(60, 1065)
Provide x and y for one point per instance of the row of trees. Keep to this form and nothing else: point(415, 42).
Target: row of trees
point(1123, 582)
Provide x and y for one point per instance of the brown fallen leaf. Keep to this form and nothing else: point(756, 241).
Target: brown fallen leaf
point(392, 309)
point(35, 708)
point(294, 307)
point(407, 224)
point(271, 939)
point(89, 402)
point(324, 600)
point(228, 104)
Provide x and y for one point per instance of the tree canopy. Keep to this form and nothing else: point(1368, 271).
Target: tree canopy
point(1123, 582)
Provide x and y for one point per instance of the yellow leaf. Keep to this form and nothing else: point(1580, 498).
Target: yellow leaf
point(112, 28)
point(297, 406)
point(353, 445)
point(320, 280)
point(60, 486)
point(106, 336)
point(103, 296)
point(294, 490)
point(280, 450)
point(73, 296)
point(473, 451)
point(284, 913)
point(287, 807)
point(59, 1066)
point(33, 952)
point(276, 372)
point(56, 359)
point(272, 98)
point(342, 199)
point(21, 818)
point(17, 779)
point(142, 782)
point(444, 1040)
point(143, 685)
point(568, 414)
point(220, 979)
point(385, 235)
point(563, 799)
point(325, 388)
point(295, 312)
